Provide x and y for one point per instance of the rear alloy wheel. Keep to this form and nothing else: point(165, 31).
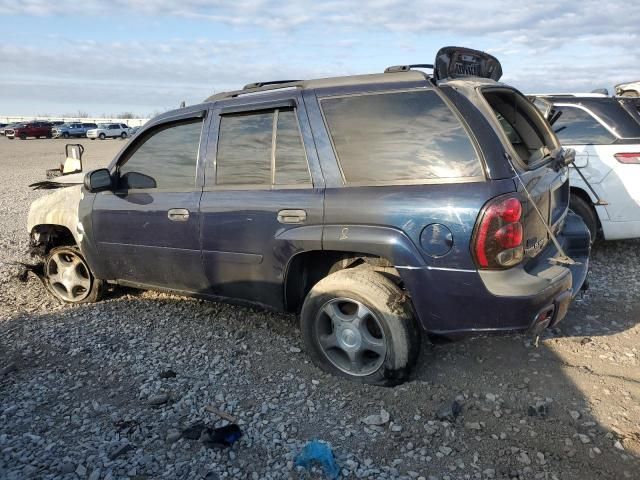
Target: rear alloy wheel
point(123, 135)
point(102, 136)
point(68, 277)
point(358, 324)
point(586, 211)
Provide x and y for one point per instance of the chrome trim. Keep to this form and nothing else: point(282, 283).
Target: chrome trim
point(445, 269)
point(598, 119)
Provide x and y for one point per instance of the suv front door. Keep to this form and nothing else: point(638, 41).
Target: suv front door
point(263, 197)
point(148, 228)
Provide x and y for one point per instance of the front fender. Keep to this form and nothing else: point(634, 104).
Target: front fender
point(58, 208)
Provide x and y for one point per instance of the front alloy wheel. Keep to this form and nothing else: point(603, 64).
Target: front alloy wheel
point(68, 277)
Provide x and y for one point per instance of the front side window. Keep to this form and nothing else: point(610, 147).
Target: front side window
point(577, 127)
point(165, 159)
point(404, 136)
point(252, 152)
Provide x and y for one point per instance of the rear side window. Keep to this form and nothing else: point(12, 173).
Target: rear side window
point(396, 137)
point(577, 127)
point(165, 159)
point(261, 148)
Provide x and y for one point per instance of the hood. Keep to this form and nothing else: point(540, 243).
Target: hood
point(631, 89)
point(60, 182)
point(459, 62)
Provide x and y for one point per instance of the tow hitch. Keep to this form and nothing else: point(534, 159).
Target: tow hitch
point(540, 323)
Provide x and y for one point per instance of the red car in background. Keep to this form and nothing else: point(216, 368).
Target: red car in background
point(29, 129)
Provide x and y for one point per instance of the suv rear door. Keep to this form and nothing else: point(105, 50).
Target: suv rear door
point(532, 146)
point(263, 196)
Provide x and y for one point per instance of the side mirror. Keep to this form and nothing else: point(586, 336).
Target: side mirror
point(98, 180)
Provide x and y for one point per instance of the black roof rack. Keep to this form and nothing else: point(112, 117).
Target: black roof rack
point(250, 86)
point(406, 68)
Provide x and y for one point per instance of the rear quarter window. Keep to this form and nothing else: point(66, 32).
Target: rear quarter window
point(399, 137)
point(578, 127)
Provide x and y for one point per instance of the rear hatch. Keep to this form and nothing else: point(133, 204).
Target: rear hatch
point(533, 148)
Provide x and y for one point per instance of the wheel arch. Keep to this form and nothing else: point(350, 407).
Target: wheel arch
point(342, 247)
point(44, 237)
point(55, 216)
point(590, 199)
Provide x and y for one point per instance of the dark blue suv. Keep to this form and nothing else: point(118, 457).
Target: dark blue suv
point(376, 206)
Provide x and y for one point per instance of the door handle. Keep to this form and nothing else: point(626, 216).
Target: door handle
point(292, 216)
point(178, 214)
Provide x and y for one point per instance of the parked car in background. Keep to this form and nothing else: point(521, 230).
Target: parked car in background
point(606, 138)
point(75, 129)
point(631, 89)
point(8, 127)
point(36, 129)
point(109, 130)
point(631, 105)
point(374, 205)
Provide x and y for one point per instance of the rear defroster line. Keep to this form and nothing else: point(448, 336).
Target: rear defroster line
point(563, 259)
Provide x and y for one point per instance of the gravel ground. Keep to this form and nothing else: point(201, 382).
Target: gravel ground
point(107, 390)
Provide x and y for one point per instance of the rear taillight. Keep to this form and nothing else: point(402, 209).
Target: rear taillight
point(628, 158)
point(497, 241)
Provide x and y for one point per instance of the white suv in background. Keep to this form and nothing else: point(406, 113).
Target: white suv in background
point(606, 139)
point(109, 130)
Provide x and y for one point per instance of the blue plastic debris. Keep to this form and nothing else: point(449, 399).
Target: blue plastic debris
point(320, 452)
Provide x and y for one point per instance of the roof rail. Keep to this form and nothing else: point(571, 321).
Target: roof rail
point(406, 68)
point(249, 86)
point(569, 95)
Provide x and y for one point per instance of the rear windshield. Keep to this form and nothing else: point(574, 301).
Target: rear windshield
point(575, 126)
point(614, 115)
point(522, 123)
point(399, 137)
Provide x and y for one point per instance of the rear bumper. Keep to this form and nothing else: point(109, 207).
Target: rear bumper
point(453, 300)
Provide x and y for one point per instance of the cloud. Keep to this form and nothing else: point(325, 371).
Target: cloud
point(544, 45)
point(143, 76)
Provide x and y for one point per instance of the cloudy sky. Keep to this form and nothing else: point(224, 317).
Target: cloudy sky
point(145, 56)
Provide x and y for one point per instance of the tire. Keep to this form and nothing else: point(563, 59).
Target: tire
point(68, 278)
point(585, 210)
point(384, 321)
point(65, 135)
point(102, 136)
point(123, 135)
point(23, 137)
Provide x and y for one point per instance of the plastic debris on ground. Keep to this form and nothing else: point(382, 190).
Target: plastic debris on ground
point(321, 453)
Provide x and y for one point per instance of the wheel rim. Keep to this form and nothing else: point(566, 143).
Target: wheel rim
point(68, 276)
point(351, 336)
